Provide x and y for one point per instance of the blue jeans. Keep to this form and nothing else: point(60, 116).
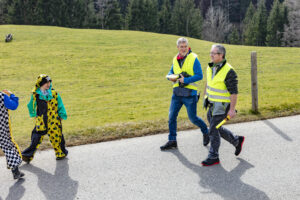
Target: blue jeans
point(191, 107)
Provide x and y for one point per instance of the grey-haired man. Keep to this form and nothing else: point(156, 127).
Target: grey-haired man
point(221, 97)
point(187, 68)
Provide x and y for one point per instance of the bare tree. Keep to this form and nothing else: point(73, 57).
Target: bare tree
point(216, 26)
point(291, 34)
point(102, 10)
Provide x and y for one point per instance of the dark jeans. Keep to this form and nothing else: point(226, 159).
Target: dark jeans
point(191, 107)
point(214, 134)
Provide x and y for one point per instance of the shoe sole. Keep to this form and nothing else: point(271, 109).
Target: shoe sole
point(168, 148)
point(211, 164)
point(241, 145)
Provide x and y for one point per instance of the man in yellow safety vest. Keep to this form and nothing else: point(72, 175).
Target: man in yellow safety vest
point(220, 97)
point(185, 72)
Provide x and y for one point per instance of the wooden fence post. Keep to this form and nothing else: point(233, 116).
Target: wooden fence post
point(254, 82)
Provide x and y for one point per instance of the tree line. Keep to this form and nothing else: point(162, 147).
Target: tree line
point(249, 22)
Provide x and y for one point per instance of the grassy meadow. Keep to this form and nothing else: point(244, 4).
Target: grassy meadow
point(113, 83)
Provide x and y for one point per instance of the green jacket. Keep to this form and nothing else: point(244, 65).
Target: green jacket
point(61, 108)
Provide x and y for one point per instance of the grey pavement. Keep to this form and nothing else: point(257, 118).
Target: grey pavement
point(136, 169)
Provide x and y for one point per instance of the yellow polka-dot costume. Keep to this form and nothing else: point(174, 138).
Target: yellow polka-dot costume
point(47, 121)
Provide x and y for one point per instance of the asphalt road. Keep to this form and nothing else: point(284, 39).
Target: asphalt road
point(267, 168)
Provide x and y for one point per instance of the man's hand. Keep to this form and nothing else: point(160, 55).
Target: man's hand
point(7, 92)
point(173, 79)
point(181, 79)
point(233, 100)
point(231, 113)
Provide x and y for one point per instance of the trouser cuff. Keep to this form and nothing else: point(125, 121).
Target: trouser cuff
point(172, 138)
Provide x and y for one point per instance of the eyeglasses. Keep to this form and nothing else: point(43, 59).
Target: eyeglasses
point(213, 53)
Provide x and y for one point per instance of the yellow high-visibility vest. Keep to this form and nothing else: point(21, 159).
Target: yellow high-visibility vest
point(188, 67)
point(216, 90)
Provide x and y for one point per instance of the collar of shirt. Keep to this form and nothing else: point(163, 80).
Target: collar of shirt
point(220, 64)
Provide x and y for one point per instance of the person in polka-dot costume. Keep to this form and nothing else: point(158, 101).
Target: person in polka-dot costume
point(47, 108)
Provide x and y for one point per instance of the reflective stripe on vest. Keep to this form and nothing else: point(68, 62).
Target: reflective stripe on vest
point(177, 82)
point(217, 97)
point(216, 89)
point(188, 67)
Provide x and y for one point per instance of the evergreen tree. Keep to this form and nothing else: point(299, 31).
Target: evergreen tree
point(165, 17)
point(142, 15)
point(261, 24)
point(28, 11)
point(195, 23)
point(249, 14)
point(135, 15)
point(90, 20)
point(246, 26)
point(102, 7)
point(2, 19)
point(42, 13)
point(77, 13)
point(124, 6)
point(3, 11)
point(14, 12)
point(234, 36)
point(55, 13)
point(114, 16)
point(151, 16)
point(244, 5)
point(256, 31)
point(270, 3)
point(108, 14)
point(186, 19)
point(127, 17)
point(21, 12)
point(65, 10)
point(275, 24)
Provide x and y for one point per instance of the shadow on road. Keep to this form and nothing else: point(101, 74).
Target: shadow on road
point(16, 191)
point(221, 182)
point(277, 130)
point(59, 186)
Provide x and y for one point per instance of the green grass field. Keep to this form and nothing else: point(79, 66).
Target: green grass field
point(113, 82)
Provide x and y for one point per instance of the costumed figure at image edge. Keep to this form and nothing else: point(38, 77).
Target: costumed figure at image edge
point(187, 69)
point(47, 108)
point(221, 98)
point(7, 143)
